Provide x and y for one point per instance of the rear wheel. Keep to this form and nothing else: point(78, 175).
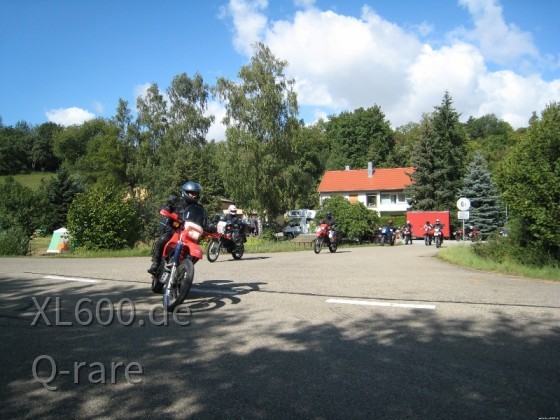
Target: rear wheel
point(157, 285)
point(317, 245)
point(238, 250)
point(333, 246)
point(178, 287)
point(213, 250)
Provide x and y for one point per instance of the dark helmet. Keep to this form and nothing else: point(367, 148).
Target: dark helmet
point(329, 214)
point(191, 192)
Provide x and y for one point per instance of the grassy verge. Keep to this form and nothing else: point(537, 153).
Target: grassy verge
point(32, 180)
point(464, 256)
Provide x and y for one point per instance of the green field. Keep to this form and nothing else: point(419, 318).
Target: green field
point(32, 180)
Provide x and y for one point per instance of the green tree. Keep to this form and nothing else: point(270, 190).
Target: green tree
point(352, 220)
point(261, 120)
point(439, 160)
point(104, 217)
point(42, 152)
point(530, 181)
point(56, 196)
point(14, 150)
point(486, 212)
point(359, 137)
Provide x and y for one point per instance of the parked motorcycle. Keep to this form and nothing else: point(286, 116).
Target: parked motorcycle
point(458, 235)
point(175, 273)
point(325, 236)
point(473, 234)
point(438, 236)
point(232, 240)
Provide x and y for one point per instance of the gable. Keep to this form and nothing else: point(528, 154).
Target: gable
point(358, 180)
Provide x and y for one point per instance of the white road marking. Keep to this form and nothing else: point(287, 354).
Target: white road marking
point(81, 280)
point(372, 303)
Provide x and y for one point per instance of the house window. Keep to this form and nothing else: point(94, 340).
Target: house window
point(393, 198)
point(353, 198)
point(371, 200)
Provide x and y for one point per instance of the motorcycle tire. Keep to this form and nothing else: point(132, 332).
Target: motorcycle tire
point(333, 247)
point(159, 279)
point(239, 249)
point(438, 241)
point(317, 245)
point(213, 250)
point(382, 240)
point(406, 240)
point(178, 287)
point(392, 241)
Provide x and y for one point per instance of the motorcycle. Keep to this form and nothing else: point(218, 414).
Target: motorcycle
point(232, 240)
point(428, 234)
point(407, 234)
point(458, 234)
point(438, 236)
point(387, 236)
point(473, 234)
point(175, 273)
point(325, 236)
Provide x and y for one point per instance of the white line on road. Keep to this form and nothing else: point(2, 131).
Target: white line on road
point(81, 280)
point(372, 303)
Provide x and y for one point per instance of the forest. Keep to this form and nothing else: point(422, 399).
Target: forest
point(113, 174)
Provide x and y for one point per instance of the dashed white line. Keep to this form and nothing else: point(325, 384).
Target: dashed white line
point(81, 280)
point(374, 303)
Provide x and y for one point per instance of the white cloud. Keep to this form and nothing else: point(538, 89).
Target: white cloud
point(69, 116)
point(343, 62)
point(217, 130)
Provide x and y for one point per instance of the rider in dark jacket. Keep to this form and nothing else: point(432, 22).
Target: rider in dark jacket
point(186, 207)
point(329, 220)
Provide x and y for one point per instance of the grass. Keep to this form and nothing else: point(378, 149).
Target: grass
point(32, 180)
point(464, 256)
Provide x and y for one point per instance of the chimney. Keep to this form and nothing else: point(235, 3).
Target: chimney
point(370, 169)
point(347, 167)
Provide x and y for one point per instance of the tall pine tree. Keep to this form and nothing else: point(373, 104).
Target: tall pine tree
point(486, 212)
point(438, 160)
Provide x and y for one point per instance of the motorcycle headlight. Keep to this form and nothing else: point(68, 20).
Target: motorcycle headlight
point(194, 234)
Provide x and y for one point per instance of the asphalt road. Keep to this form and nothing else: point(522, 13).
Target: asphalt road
point(374, 332)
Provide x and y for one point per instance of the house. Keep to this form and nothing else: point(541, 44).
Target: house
point(381, 190)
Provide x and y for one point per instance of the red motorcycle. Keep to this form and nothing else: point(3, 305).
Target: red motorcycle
point(176, 272)
point(325, 236)
point(438, 236)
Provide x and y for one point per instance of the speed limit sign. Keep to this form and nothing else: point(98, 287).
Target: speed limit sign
point(463, 204)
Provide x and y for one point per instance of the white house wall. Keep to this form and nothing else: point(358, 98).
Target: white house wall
point(361, 197)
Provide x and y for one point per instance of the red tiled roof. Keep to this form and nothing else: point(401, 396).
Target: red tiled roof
point(358, 180)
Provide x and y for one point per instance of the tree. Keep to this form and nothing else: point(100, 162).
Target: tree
point(439, 160)
point(42, 153)
point(530, 181)
point(359, 137)
point(104, 217)
point(14, 150)
point(486, 213)
point(56, 196)
point(261, 120)
point(352, 220)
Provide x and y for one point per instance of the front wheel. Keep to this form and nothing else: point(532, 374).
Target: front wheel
point(178, 285)
point(382, 240)
point(318, 244)
point(438, 241)
point(213, 250)
point(239, 249)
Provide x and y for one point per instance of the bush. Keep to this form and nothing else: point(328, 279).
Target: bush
point(103, 218)
point(14, 241)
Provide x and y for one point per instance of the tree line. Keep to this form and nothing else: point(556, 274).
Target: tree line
point(270, 161)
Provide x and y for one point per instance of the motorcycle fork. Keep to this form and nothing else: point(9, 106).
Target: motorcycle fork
point(175, 263)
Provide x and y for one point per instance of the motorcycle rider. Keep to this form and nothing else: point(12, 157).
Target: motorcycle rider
point(439, 226)
point(427, 228)
point(329, 220)
point(187, 207)
point(232, 216)
point(408, 227)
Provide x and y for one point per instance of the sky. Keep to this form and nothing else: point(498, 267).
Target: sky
point(68, 61)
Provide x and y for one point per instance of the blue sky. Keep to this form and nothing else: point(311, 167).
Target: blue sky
point(71, 60)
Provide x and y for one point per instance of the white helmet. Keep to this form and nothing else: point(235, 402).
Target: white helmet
point(232, 209)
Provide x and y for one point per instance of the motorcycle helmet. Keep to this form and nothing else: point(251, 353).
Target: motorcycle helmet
point(191, 192)
point(232, 209)
point(329, 214)
point(437, 220)
point(408, 222)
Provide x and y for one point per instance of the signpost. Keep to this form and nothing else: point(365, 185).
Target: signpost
point(463, 204)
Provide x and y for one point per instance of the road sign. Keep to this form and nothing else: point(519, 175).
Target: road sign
point(463, 204)
point(463, 215)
